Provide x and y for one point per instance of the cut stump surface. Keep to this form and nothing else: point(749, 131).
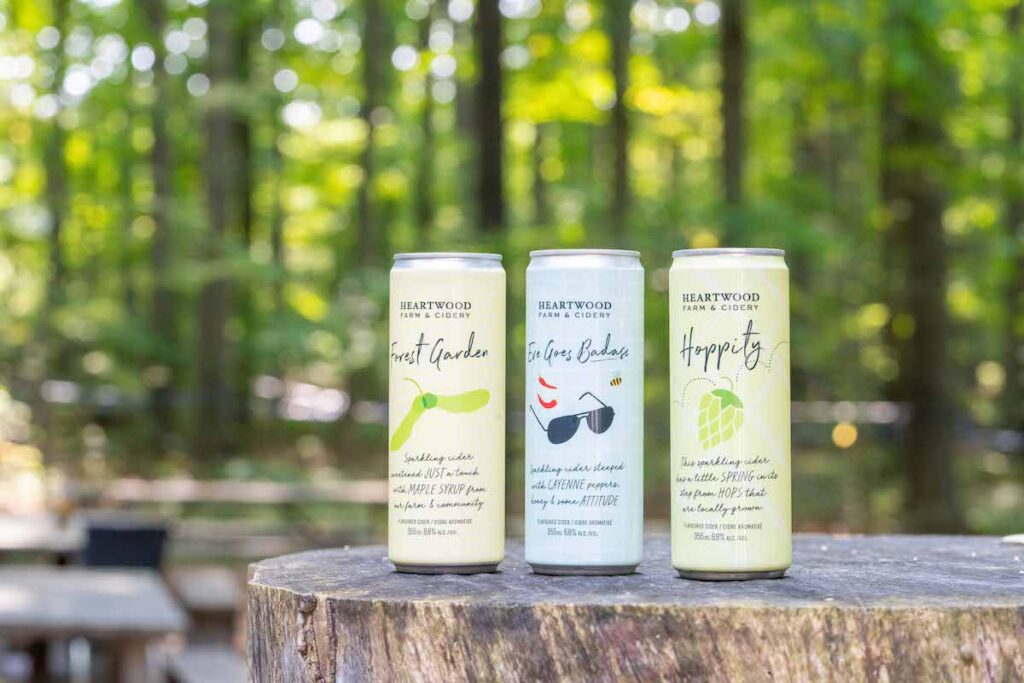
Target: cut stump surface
point(850, 608)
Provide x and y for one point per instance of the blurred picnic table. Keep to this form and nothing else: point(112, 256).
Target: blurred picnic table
point(123, 610)
point(41, 534)
point(230, 533)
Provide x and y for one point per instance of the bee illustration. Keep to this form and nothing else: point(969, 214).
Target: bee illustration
point(616, 381)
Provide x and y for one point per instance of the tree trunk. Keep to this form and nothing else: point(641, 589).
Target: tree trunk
point(810, 166)
point(425, 163)
point(372, 73)
point(915, 156)
point(51, 346)
point(163, 310)
point(242, 133)
point(221, 164)
point(540, 186)
point(277, 243)
point(126, 181)
point(734, 74)
point(676, 187)
point(278, 250)
point(489, 125)
point(893, 256)
point(1013, 394)
point(56, 193)
point(930, 434)
point(618, 30)
point(279, 256)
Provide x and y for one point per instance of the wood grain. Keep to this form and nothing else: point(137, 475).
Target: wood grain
point(852, 608)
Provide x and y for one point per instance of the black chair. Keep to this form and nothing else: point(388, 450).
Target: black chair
point(112, 541)
point(124, 543)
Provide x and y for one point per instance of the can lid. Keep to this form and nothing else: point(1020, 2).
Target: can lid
point(585, 252)
point(728, 251)
point(447, 254)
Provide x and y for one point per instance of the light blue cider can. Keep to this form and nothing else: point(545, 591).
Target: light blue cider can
point(584, 411)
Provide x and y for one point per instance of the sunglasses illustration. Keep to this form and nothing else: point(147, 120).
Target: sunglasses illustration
point(561, 429)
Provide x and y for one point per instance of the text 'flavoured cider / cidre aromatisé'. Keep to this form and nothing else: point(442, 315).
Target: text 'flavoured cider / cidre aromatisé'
point(729, 342)
point(584, 411)
point(446, 413)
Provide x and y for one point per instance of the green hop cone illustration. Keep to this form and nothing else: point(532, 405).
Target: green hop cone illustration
point(720, 417)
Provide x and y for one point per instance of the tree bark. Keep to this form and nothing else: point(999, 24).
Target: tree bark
point(163, 307)
point(810, 165)
point(540, 186)
point(51, 346)
point(242, 134)
point(425, 163)
point(915, 157)
point(734, 74)
point(55, 171)
point(1013, 393)
point(278, 251)
point(619, 30)
point(847, 611)
point(490, 129)
point(373, 20)
point(222, 161)
point(126, 182)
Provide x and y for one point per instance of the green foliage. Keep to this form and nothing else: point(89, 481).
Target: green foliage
point(306, 310)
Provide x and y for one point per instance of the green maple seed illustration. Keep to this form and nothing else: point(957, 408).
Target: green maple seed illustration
point(465, 402)
point(719, 418)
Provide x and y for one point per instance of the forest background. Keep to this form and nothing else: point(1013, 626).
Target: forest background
point(199, 200)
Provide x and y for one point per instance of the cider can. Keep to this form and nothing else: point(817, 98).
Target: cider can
point(446, 413)
point(729, 374)
point(584, 411)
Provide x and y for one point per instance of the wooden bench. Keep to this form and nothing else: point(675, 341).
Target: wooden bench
point(292, 528)
point(122, 611)
point(897, 608)
point(207, 664)
point(42, 535)
point(212, 597)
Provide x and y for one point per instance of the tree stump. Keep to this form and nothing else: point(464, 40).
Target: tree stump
point(852, 608)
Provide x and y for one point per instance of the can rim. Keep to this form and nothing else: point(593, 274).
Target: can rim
point(728, 251)
point(415, 255)
point(585, 252)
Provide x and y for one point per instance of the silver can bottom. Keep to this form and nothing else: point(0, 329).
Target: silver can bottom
point(481, 568)
point(730, 576)
point(583, 570)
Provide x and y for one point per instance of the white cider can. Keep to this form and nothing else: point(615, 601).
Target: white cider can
point(729, 342)
point(584, 411)
point(446, 413)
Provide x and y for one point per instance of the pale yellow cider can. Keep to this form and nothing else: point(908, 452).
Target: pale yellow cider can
point(446, 413)
point(729, 345)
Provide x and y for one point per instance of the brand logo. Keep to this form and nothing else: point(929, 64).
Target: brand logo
point(720, 297)
point(573, 305)
point(711, 302)
point(435, 306)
